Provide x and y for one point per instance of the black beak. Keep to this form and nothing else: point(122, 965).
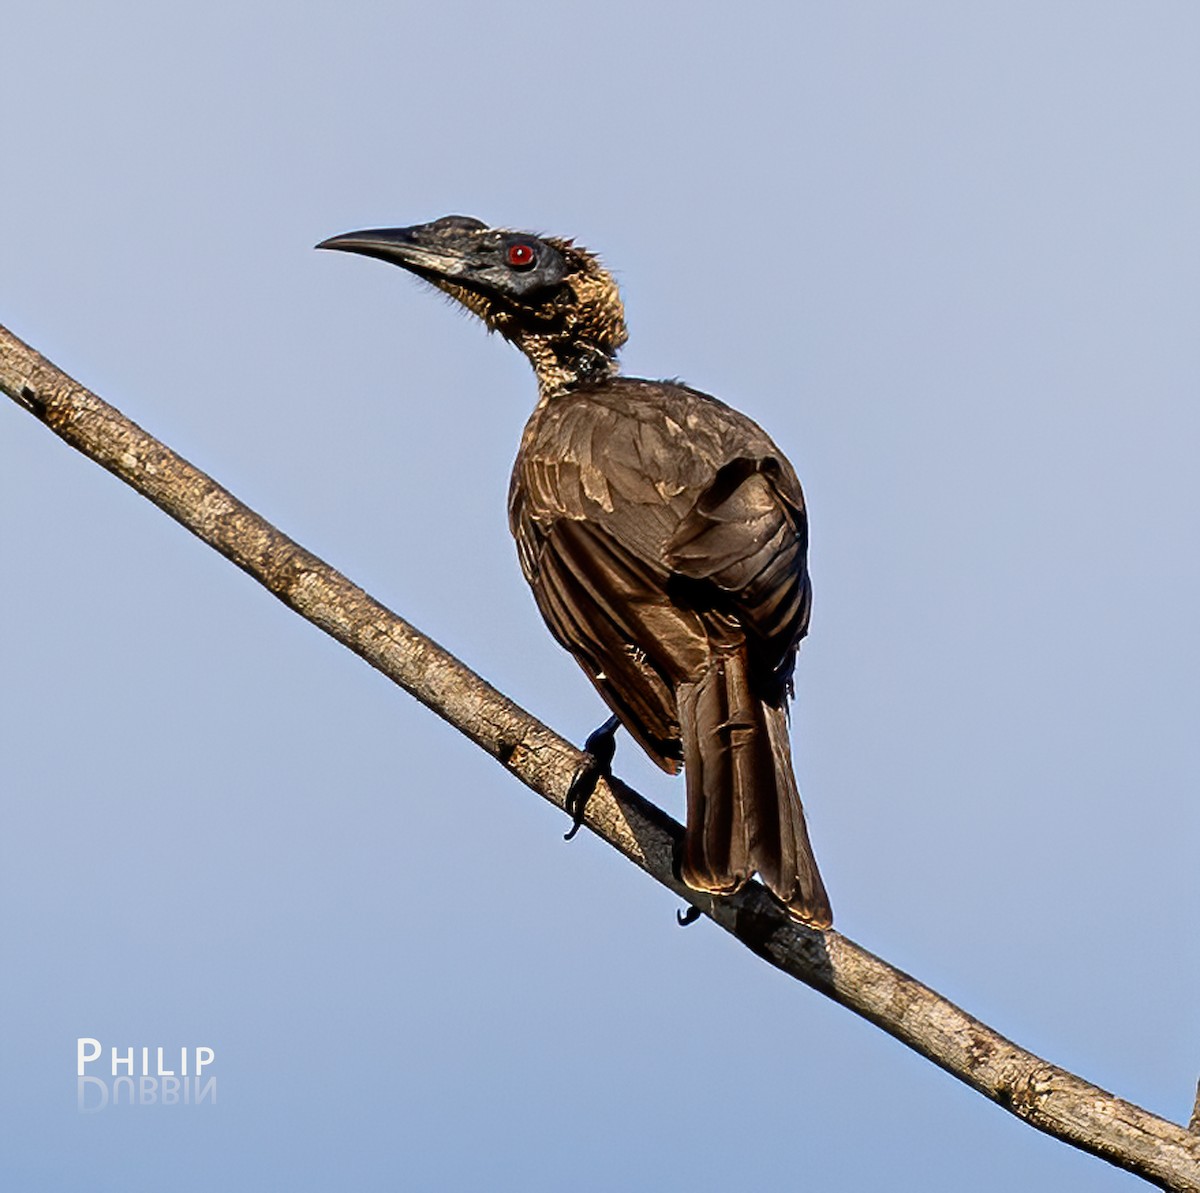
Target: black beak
point(445, 250)
point(397, 245)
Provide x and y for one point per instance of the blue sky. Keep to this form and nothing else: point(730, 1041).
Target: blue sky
point(946, 254)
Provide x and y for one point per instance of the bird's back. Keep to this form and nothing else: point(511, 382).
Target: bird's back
point(654, 524)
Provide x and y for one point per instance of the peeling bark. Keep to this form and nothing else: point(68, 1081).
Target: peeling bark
point(1043, 1095)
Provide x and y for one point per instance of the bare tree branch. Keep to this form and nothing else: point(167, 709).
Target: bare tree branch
point(1043, 1095)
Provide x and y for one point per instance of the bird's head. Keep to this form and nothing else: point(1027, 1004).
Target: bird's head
point(550, 297)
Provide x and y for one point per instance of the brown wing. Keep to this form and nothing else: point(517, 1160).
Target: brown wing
point(741, 554)
point(654, 523)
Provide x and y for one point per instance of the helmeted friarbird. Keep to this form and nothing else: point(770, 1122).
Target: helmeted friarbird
point(664, 536)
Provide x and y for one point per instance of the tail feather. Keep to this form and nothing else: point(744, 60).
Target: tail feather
point(744, 812)
point(716, 851)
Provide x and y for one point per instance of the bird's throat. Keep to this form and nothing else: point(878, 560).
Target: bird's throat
point(561, 366)
point(571, 339)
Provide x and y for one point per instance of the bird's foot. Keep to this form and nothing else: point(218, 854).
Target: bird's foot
point(600, 748)
point(683, 918)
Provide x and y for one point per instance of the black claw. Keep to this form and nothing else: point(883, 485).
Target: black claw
point(677, 859)
point(600, 748)
point(683, 918)
point(582, 786)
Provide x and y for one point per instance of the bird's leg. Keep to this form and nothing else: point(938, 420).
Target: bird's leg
point(600, 748)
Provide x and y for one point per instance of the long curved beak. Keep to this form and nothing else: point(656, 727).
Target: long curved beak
point(411, 248)
point(370, 240)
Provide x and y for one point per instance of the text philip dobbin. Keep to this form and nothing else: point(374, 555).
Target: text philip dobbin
point(143, 1076)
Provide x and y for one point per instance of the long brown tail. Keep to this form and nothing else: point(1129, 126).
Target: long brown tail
point(743, 809)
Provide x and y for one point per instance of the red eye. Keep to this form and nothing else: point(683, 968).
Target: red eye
point(520, 256)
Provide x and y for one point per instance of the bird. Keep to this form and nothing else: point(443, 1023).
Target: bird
point(664, 536)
